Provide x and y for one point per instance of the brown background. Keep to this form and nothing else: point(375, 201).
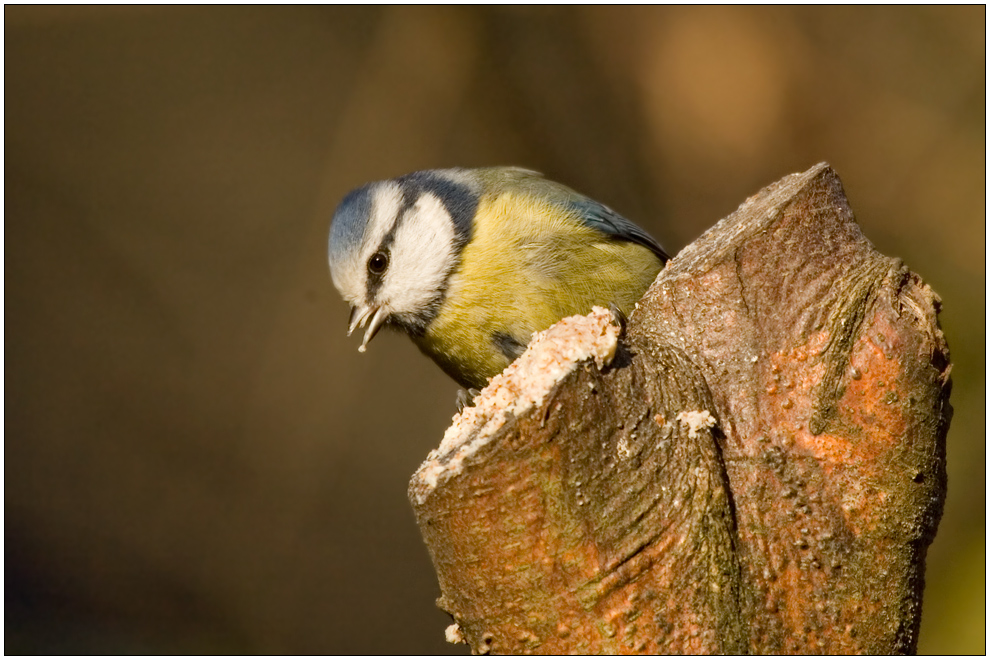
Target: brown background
point(198, 459)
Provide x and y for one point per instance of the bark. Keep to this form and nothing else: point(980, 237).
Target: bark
point(756, 466)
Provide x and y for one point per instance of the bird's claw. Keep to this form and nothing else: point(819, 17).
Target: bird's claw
point(466, 398)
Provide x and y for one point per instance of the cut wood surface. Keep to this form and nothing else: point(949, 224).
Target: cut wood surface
point(757, 465)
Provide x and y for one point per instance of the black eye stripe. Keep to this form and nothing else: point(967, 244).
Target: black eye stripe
point(377, 266)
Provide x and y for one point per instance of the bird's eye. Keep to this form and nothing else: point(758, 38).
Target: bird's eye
point(378, 263)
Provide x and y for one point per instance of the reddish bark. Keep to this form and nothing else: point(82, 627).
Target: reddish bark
point(614, 516)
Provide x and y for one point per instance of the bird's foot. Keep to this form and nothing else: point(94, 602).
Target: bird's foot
point(619, 316)
point(466, 398)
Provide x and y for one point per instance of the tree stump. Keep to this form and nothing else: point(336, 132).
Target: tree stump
point(757, 465)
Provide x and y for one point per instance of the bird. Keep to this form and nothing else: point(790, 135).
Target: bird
point(470, 263)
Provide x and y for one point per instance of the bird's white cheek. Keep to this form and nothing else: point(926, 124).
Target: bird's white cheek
point(422, 256)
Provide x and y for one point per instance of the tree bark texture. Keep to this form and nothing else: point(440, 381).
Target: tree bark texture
point(756, 466)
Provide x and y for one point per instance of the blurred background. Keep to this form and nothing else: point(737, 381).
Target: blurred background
point(199, 460)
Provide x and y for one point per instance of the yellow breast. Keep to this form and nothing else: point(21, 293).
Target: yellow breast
point(528, 265)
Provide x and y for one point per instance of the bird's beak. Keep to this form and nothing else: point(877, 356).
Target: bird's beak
point(359, 316)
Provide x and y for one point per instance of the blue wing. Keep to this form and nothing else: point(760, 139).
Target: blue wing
point(609, 222)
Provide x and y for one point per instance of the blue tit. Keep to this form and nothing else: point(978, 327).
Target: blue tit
point(471, 262)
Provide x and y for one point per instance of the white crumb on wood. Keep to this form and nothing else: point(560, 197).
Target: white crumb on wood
point(550, 356)
point(696, 420)
point(453, 634)
point(622, 448)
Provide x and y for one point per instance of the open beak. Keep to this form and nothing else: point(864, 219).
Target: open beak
point(359, 316)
